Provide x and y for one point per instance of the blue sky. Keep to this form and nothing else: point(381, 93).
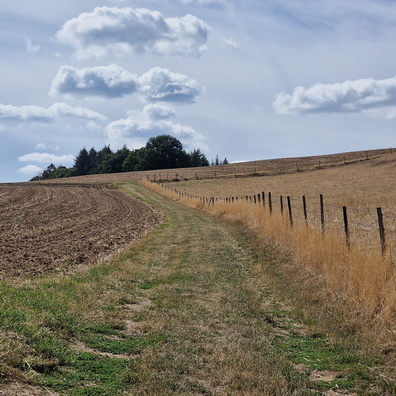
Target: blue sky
point(243, 80)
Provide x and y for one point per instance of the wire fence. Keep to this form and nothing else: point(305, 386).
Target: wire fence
point(376, 228)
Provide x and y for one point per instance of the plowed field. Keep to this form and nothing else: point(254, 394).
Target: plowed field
point(46, 228)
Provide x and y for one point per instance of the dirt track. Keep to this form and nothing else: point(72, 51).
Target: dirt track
point(46, 228)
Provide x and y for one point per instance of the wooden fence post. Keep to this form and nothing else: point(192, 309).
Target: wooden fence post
point(263, 196)
point(290, 210)
point(381, 230)
point(270, 202)
point(322, 217)
point(346, 228)
point(281, 203)
point(305, 209)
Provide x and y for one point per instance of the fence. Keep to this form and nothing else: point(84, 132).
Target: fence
point(265, 167)
point(372, 227)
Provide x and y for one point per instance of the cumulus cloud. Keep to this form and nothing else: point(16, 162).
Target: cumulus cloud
point(10, 115)
point(135, 130)
point(30, 170)
point(113, 81)
point(120, 31)
point(364, 95)
point(106, 81)
point(46, 158)
point(162, 85)
point(158, 112)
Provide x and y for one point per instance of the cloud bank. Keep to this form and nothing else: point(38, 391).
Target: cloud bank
point(154, 120)
point(364, 95)
point(106, 81)
point(156, 85)
point(46, 158)
point(11, 115)
point(121, 31)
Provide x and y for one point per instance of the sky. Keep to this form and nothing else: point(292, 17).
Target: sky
point(243, 80)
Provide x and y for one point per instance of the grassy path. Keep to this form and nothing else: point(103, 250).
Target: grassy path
point(186, 311)
point(209, 301)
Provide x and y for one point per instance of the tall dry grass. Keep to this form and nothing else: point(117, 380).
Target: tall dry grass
point(359, 275)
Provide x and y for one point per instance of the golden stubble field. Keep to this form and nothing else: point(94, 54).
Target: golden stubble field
point(362, 187)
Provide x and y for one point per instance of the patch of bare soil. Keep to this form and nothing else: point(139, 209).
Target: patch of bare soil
point(51, 227)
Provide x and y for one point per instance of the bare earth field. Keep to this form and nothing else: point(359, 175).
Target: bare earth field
point(47, 228)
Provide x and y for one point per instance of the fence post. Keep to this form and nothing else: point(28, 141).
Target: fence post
point(381, 230)
point(345, 214)
point(263, 196)
point(290, 210)
point(259, 198)
point(322, 217)
point(281, 203)
point(305, 209)
point(270, 202)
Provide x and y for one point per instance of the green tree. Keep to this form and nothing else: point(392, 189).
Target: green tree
point(135, 160)
point(93, 161)
point(197, 158)
point(103, 154)
point(82, 163)
point(164, 152)
point(113, 162)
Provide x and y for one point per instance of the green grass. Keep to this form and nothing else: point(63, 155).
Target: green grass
point(209, 320)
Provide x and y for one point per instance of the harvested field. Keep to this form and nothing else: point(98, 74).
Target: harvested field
point(268, 167)
point(46, 228)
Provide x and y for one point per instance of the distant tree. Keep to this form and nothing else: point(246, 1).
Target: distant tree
point(135, 160)
point(217, 162)
point(93, 161)
point(46, 174)
point(113, 162)
point(103, 154)
point(164, 152)
point(82, 163)
point(197, 158)
point(160, 152)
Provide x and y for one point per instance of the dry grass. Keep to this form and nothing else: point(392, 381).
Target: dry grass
point(360, 274)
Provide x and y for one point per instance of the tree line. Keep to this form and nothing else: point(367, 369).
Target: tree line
point(160, 152)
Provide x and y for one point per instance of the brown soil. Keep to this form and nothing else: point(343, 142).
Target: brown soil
point(52, 227)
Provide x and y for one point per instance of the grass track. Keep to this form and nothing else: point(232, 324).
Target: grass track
point(228, 333)
point(189, 310)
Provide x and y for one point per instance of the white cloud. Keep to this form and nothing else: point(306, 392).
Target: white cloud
point(158, 112)
point(46, 158)
point(135, 130)
point(30, 47)
point(364, 95)
point(203, 2)
point(10, 114)
point(162, 85)
point(230, 44)
point(30, 170)
point(120, 31)
point(45, 146)
point(106, 81)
